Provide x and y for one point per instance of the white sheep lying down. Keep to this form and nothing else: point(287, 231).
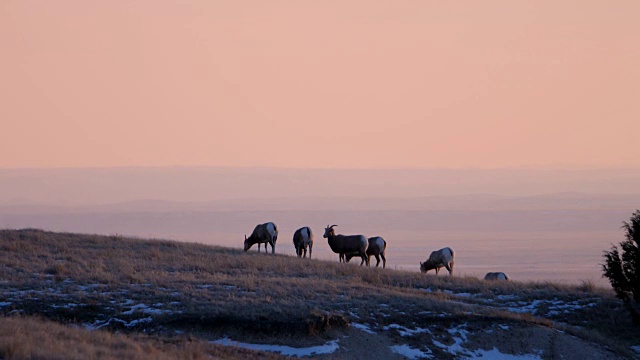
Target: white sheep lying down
point(496, 276)
point(440, 258)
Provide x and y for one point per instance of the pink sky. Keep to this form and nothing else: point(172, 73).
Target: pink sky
point(374, 84)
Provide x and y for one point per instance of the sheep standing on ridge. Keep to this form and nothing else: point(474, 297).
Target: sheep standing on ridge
point(266, 233)
point(439, 258)
point(347, 244)
point(497, 276)
point(302, 238)
point(377, 247)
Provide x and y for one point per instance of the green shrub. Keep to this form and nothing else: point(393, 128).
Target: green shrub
point(623, 270)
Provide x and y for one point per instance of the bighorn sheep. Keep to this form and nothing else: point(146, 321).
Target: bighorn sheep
point(266, 233)
point(498, 276)
point(347, 244)
point(439, 258)
point(302, 238)
point(377, 247)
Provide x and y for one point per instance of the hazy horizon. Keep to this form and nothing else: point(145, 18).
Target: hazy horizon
point(90, 186)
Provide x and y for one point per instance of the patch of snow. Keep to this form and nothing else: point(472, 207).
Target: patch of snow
point(88, 287)
point(363, 327)
point(146, 309)
point(523, 307)
point(497, 355)
point(139, 321)
point(636, 348)
point(4, 303)
point(456, 347)
point(411, 353)
point(554, 306)
point(467, 295)
point(156, 311)
point(98, 325)
point(134, 308)
point(67, 306)
point(327, 348)
point(406, 331)
point(503, 327)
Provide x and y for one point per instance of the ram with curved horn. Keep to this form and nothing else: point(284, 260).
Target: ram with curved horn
point(347, 244)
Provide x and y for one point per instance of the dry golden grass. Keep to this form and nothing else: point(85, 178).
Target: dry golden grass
point(31, 338)
point(208, 292)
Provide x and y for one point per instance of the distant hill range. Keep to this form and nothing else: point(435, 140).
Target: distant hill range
point(149, 188)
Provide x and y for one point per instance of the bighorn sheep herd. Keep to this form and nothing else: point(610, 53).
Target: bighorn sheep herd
point(348, 246)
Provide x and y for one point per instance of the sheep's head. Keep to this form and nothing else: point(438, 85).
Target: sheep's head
point(424, 266)
point(328, 231)
point(246, 243)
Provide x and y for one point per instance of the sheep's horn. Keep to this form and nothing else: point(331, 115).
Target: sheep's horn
point(332, 226)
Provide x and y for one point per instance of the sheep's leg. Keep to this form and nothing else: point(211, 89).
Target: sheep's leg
point(258, 247)
point(377, 260)
point(450, 269)
point(310, 246)
point(273, 247)
point(365, 258)
point(437, 269)
point(384, 261)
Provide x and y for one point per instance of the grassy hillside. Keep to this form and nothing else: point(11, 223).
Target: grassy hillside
point(87, 296)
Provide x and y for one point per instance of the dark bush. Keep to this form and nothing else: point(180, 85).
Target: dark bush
point(623, 269)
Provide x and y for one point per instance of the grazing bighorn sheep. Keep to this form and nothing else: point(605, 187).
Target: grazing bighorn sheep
point(347, 244)
point(266, 233)
point(497, 276)
point(439, 258)
point(377, 247)
point(302, 238)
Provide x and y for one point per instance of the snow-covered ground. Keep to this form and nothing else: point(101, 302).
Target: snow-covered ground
point(411, 353)
point(326, 348)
